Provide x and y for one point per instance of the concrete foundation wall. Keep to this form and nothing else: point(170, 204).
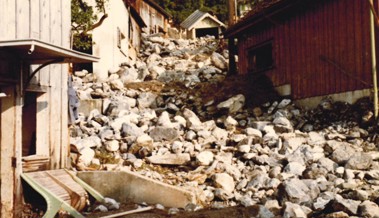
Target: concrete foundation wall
point(349, 97)
point(128, 186)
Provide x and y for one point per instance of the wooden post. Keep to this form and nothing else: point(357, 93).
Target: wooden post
point(373, 59)
point(8, 146)
point(231, 44)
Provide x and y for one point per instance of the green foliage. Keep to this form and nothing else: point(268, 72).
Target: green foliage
point(84, 18)
point(181, 9)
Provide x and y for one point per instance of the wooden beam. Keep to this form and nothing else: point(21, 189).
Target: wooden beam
point(8, 144)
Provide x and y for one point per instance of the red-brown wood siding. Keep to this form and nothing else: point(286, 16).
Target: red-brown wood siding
point(338, 30)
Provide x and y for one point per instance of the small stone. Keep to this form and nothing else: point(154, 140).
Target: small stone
point(224, 181)
point(347, 205)
point(204, 158)
point(170, 159)
point(294, 168)
point(368, 209)
point(359, 161)
point(112, 145)
point(173, 211)
point(293, 210)
point(111, 204)
point(159, 207)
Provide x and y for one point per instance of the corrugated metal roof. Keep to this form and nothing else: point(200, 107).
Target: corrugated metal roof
point(197, 16)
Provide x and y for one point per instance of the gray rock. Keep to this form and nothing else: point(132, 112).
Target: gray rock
point(219, 61)
point(343, 153)
point(163, 134)
point(359, 161)
point(86, 156)
point(204, 158)
point(294, 190)
point(131, 129)
point(323, 200)
point(253, 132)
point(368, 209)
point(224, 181)
point(223, 194)
point(347, 205)
point(328, 164)
point(116, 84)
point(230, 123)
point(170, 159)
point(147, 100)
point(315, 138)
point(143, 141)
point(282, 125)
point(284, 103)
point(193, 121)
point(291, 144)
point(233, 104)
point(247, 201)
point(111, 204)
point(293, 210)
point(112, 145)
point(220, 134)
point(128, 75)
point(294, 168)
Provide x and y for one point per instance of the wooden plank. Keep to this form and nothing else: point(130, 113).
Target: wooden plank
point(55, 82)
point(42, 124)
point(44, 35)
point(34, 19)
point(66, 27)
point(8, 19)
point(22, 19)
point(18, 156)
point(8, 143)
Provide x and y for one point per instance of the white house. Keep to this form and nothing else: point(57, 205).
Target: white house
point(200, 24)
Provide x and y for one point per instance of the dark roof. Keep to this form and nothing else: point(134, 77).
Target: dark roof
point(195, 17)
point(137, 17)
point(260, 10)
point(158, 8)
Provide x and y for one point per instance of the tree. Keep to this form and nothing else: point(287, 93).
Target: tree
point(84, 18)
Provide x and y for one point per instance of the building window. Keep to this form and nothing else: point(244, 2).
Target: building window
point(121, 42)
point(260, 57)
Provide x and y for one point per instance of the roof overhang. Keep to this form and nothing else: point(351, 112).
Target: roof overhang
point(252, 19)
point(206, 15)
point(38, 52)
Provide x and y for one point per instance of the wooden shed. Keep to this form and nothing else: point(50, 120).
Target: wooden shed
point(155, 17)
point(200, 24)
point(34, 42)
point(308, 48)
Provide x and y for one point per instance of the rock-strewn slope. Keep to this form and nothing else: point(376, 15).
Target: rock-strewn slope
point(291, 162)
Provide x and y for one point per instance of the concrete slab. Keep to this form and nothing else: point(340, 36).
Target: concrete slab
point(86, 106)
point(128, 186)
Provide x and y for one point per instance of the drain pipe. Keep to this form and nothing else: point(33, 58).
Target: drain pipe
point(373, 59)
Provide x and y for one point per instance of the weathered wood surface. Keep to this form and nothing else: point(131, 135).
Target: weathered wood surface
point(337, 30)
point(47, 20)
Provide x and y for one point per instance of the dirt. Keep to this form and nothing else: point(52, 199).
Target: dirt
point(257, 89)
point(229, 212)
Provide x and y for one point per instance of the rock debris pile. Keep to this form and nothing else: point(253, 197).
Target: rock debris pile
point(290, 162)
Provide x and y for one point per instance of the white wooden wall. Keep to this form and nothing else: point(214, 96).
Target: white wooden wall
point(47, 20)
point(105, 39)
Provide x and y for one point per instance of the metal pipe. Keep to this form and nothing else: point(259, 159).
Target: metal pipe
point(31, 49)
point(373, 60)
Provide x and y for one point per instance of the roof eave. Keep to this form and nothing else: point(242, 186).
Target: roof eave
point(37, 52)
point(254, 19)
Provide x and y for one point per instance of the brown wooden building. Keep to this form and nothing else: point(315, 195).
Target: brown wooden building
point(307, 48)
point(34, 52)
point(154, 16)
